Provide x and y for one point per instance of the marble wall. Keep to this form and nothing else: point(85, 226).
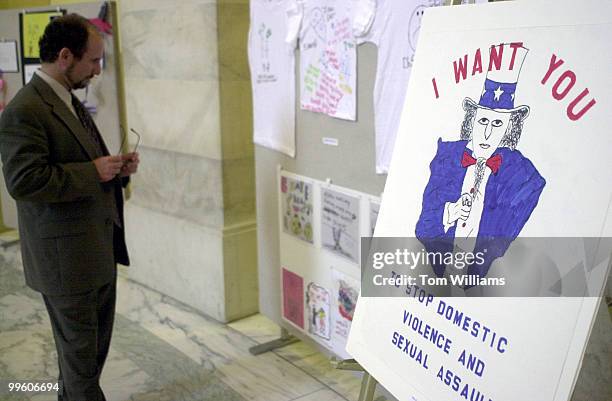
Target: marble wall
point(191, 218)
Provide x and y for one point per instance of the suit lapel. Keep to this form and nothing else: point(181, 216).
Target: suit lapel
point(62, 112)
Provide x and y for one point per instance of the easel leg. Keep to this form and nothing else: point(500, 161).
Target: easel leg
point(284, 340)
point(368, 386)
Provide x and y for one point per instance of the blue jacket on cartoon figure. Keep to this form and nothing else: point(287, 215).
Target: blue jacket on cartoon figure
point(510, 197)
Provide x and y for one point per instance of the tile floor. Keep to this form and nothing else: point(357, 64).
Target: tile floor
point(164, 350)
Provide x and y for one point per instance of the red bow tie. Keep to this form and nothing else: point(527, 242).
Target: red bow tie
point(494, 162)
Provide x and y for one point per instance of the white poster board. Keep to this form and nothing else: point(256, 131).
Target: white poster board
point(320, 281)
point(554, 73)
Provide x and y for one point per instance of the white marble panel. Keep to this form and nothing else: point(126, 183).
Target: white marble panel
point(126, 6)
point(176, 257)
point(175, 115)
point(180, 185)
point(173, 43)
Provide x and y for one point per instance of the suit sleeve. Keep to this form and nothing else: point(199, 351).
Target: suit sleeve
point(29, 173)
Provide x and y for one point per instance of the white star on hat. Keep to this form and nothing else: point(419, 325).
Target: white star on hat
point(498, 92)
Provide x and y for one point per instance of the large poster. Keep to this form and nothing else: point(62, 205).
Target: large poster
point(504, 136)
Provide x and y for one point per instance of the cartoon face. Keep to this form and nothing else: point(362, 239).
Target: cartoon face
point(489, 129)
point(414, 26)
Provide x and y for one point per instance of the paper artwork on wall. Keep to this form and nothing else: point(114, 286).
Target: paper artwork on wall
point(327, 57)
point(395, 32)
point(319, 313)
point(297, 208)
point(8, 56)
point(271, 62)
point(374, 209)
point(346, 292)
point(340, 223)
point(293, 298)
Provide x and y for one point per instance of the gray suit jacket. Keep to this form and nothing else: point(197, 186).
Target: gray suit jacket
point(69, 242)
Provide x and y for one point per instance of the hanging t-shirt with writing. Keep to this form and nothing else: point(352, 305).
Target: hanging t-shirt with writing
point(328, 58)
point(272, 65)
point(394, 31)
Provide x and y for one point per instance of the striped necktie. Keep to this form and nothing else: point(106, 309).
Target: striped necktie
point(88, 124)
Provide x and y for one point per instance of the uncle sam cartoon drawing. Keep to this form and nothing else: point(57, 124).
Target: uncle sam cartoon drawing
point(482, 186)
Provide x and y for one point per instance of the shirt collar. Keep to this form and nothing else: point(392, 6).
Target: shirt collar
point(59, 89)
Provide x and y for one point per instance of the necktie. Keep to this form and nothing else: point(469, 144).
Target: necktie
point(90, 127)
point(493, 162)
point(88, 123)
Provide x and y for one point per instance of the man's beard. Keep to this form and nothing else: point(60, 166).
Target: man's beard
point(72, 83)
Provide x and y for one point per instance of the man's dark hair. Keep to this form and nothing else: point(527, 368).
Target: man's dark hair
point(70, 31)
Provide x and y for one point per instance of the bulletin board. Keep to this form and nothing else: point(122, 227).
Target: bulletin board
point(320, 226)
point(31, 28)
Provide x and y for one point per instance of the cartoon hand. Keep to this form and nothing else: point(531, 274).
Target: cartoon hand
point(460, 209)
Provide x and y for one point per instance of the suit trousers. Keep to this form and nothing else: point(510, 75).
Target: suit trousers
point(82, 327)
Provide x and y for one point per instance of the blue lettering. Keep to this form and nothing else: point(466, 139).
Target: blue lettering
point(394, 340)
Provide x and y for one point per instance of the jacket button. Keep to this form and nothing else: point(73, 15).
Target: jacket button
point(108, 222)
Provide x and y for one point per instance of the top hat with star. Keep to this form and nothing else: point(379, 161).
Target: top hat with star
point(500, 84)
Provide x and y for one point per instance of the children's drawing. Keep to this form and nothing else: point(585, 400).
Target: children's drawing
point(346, 292)
point(297, 208)
point(264, 36)
point(482, 186)
point(414, 27)
point(347, 299)
point(328, 59)
point(374, 210)
point(340, 223)
point(318, 304)
point(293, 298)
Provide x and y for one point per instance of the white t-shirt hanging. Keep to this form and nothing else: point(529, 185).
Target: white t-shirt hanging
point(272, 65)
point(394, 31)
point(328, 57)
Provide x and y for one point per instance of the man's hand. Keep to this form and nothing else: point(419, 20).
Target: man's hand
point(460, 209)
point(130, 164)
point(108, 167)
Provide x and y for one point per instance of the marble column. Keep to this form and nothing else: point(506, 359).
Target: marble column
point(190, 222)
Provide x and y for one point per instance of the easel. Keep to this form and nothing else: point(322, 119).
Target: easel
point(368, 382)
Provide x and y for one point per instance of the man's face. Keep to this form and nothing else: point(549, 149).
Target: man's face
point(489, 129)
point(81, 71)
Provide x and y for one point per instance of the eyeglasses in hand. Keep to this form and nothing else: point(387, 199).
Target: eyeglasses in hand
point(125, 142)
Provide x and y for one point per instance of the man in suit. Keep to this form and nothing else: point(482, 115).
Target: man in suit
point(69, 197)
point(481, 187)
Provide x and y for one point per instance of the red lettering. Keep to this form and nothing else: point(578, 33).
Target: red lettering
point(462, 69)
point(435, 86)
point(553, 66)
point(570, 109)
point(477, 63)
point(555, 89)
point(495, 56)
point(515, 46)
